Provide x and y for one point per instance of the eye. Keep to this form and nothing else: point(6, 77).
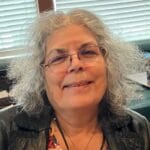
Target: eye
point(57, 59)
point(89, 52)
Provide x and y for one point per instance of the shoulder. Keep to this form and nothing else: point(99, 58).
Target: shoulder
point(7, 114)
point(138, 119)
point(140, 123)
point(6, 117)
point(17, 124)
point(140, 126)
point(131, 131)
point(7, 110)
point(132, 120)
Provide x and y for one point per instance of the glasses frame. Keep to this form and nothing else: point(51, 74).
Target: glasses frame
point(101, 49)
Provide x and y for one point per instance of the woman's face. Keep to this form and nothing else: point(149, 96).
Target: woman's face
point(79, 85)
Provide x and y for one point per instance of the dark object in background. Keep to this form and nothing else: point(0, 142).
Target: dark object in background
point(5, 85)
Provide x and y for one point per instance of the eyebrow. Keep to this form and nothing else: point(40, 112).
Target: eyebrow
point(87, 44)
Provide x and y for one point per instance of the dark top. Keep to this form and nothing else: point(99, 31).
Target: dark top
point(21, 131)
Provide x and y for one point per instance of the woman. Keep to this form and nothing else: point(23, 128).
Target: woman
point(71, 91)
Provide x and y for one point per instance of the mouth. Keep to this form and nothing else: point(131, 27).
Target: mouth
point(77, 84)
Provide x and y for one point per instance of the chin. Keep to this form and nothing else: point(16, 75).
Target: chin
point(78, 102)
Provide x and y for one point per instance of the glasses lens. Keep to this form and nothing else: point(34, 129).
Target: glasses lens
point(58, 62)
point(89, 53)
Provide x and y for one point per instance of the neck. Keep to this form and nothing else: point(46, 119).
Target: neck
point(78, 121)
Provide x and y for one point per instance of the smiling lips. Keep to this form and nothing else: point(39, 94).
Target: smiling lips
point(77, 84)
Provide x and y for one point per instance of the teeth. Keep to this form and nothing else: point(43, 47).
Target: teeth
point(78, 84)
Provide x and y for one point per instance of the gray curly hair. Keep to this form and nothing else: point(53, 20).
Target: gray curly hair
point(121, 58)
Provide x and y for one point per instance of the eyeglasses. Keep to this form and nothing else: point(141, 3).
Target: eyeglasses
point(59, 59)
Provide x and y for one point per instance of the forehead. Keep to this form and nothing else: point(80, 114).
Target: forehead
point(70, 36)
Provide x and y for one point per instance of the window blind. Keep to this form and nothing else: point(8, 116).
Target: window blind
point(129, 19)
point(15, 17)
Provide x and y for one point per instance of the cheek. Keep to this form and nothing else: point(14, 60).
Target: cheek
point(101, 78)
point(53, 85)
point(53, 80)
point(101, 71)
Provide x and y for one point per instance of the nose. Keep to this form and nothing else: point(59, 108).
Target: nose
point(75, 64)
